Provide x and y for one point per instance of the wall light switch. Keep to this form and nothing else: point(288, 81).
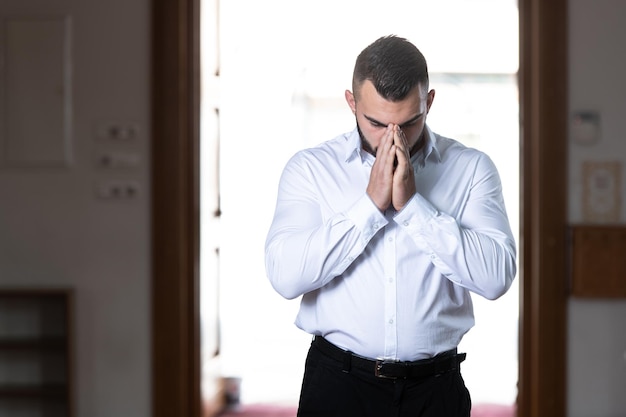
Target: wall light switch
point(601, 191)
point(586, 127)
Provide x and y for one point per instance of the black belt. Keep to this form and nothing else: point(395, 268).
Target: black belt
point(423, 368)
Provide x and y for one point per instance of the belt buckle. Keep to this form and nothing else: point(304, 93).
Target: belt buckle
point(379, 367)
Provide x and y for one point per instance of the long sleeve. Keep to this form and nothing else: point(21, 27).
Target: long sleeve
point(475, 250)
point(305, 249)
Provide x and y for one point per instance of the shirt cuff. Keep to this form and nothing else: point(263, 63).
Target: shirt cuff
point(366, 217)
point(416, 213)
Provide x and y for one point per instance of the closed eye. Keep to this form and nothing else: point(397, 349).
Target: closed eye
point(411, 122)
point(375, 123)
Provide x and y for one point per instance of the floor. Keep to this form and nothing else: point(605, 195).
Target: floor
point(266, 410)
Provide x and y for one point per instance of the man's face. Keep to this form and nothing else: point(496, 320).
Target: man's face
point(374, 113)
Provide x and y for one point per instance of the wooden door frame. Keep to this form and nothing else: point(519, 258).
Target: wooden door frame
point(175, 92)
point(175, 208)
point(543, 269)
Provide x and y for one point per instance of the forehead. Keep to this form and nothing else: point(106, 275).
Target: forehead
point(373, 105)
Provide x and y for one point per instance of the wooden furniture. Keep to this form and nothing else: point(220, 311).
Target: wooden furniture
point(35, 353)
point(598, 261)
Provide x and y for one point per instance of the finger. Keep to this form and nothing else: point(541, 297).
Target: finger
point(400, 138)
point(388, 138)
point(401, 143)
point(385, 147)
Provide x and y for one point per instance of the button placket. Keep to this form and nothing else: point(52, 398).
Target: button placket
point(389, 270)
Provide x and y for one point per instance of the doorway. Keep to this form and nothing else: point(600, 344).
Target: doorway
point(286, 84)
point(175, 214)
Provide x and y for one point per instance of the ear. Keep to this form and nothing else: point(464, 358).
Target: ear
point(429, 100)
point(351, 101)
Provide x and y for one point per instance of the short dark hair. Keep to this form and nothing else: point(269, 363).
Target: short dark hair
point(394, 65)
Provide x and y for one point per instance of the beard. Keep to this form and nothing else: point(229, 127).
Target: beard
point(365, 144)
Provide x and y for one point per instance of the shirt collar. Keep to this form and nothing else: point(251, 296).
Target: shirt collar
point(429, 150)
point(353, 145)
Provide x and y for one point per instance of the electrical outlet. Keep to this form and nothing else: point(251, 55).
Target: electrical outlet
point(601, 191)
point(117, 131)
point(113, 160)
point(118, 189)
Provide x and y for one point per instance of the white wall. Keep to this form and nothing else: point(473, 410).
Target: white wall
point(54, 229)
point(597, 335)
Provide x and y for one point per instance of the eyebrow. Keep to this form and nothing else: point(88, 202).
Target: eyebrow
point(413, 119)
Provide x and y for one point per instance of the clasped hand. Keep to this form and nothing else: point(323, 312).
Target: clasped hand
point(392, 181)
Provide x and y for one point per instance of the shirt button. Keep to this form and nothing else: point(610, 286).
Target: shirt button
point(390, 321)
point(390, 279)
point(390, 239)
point(406, 222)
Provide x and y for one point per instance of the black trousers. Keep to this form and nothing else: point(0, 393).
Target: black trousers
point(328, 391)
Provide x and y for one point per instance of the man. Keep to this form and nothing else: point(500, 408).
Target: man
point(384, 231)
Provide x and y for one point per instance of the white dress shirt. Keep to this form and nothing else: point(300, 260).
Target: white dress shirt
point(392, 285)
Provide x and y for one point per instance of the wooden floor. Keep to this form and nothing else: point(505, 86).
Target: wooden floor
point(267, 410)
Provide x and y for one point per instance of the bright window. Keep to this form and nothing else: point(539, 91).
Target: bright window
point(283, 68)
